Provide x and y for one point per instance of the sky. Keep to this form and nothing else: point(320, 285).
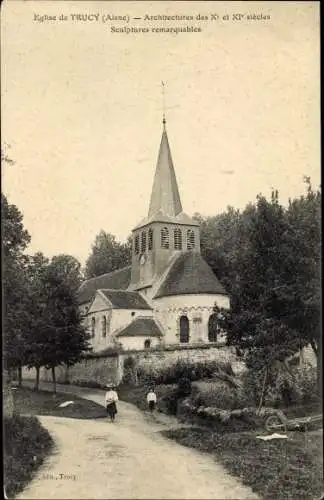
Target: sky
point(82, 111)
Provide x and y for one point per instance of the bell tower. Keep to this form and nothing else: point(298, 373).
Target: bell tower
point(167, 230)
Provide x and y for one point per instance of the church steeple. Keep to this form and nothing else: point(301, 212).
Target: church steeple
point(165, 195)
point(167, 231)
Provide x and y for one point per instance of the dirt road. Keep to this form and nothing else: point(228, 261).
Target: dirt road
point(127, 459)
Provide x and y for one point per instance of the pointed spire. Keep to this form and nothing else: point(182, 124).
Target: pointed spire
point(165, 195)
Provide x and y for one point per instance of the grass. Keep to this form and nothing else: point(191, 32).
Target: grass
point(30, 402)
point(26, 445)
point(280, 469)
point(137, 394)
point(302, 410)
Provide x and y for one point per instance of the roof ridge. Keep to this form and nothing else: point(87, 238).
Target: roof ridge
point(108, 274)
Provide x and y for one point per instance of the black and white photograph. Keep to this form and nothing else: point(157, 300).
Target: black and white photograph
point(161, 250)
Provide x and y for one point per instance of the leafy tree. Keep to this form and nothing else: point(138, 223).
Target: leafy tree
point(56, 335)
point(35, 339)
point(275, 296)
point(15, 240)
point(222, 240)
point(15, 237)
point(68, 268)
point(107, 255)
point(66, 338)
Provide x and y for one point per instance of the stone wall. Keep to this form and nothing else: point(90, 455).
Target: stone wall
point(168, 356)
point(93, 370)
point(109, 369)
point(7, 397)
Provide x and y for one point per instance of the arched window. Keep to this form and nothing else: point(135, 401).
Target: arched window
point(147, 344)
point(184, 330)
point(104, 326)
point(93, 326)
point(190, 239)
point(136, 244)
point(164, 237)
point(177, 239)
point(213, 327)
point(150, 239)
point(143, 242)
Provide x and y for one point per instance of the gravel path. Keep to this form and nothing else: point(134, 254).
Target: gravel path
point(127, 459)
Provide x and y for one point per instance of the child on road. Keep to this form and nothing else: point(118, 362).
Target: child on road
point(151, 399)
point(111, 399)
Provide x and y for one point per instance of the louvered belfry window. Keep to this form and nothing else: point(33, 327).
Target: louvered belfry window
point(93, 327)
point(104, 326)
point(164, 237)
point(136, 246)
point(190, 239)
point(177, 239)
point(150, 239)
point(143, 242)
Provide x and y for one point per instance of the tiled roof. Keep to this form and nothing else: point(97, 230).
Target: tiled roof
point(141, 327)
point(190, 274)
point(160, 216)
point(165, 193)
point(122, 299)
point(117, 280)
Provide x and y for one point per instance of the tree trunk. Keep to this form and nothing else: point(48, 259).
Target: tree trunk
point(314, 346)
point(263, 389)
point(319, 367)
point(37, 378)
point(19, 375)
point(135, 376)
point(54, 379)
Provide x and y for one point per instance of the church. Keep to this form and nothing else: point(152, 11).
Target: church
point(168, 293)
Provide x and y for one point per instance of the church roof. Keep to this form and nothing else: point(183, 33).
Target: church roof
point(190, 274)
point(165, 193)
point(159, 216)
point(165, 203)
point(123, 299)
point(117, 280)
point(141, 327)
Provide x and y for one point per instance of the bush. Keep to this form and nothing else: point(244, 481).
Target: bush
point(305, 384)
point(129, 370)
point(220, 394)
point(184, 387)
point(184, 368)
point(92, 384)
point(284, 389)
point(169, 402)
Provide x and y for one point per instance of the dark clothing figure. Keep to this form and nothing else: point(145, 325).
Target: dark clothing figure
point(111, 399)
point(151, 405)
point(112, 410)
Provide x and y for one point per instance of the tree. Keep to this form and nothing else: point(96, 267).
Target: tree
point(56, 334)
point(68, 268)
point(275, 300)
point(66, 337)
point(35, 339)
point(107, 255)
point(15, 240)
point(221, 244)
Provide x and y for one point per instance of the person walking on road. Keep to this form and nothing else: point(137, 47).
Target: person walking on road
point(111, 399)
point(151, 400)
